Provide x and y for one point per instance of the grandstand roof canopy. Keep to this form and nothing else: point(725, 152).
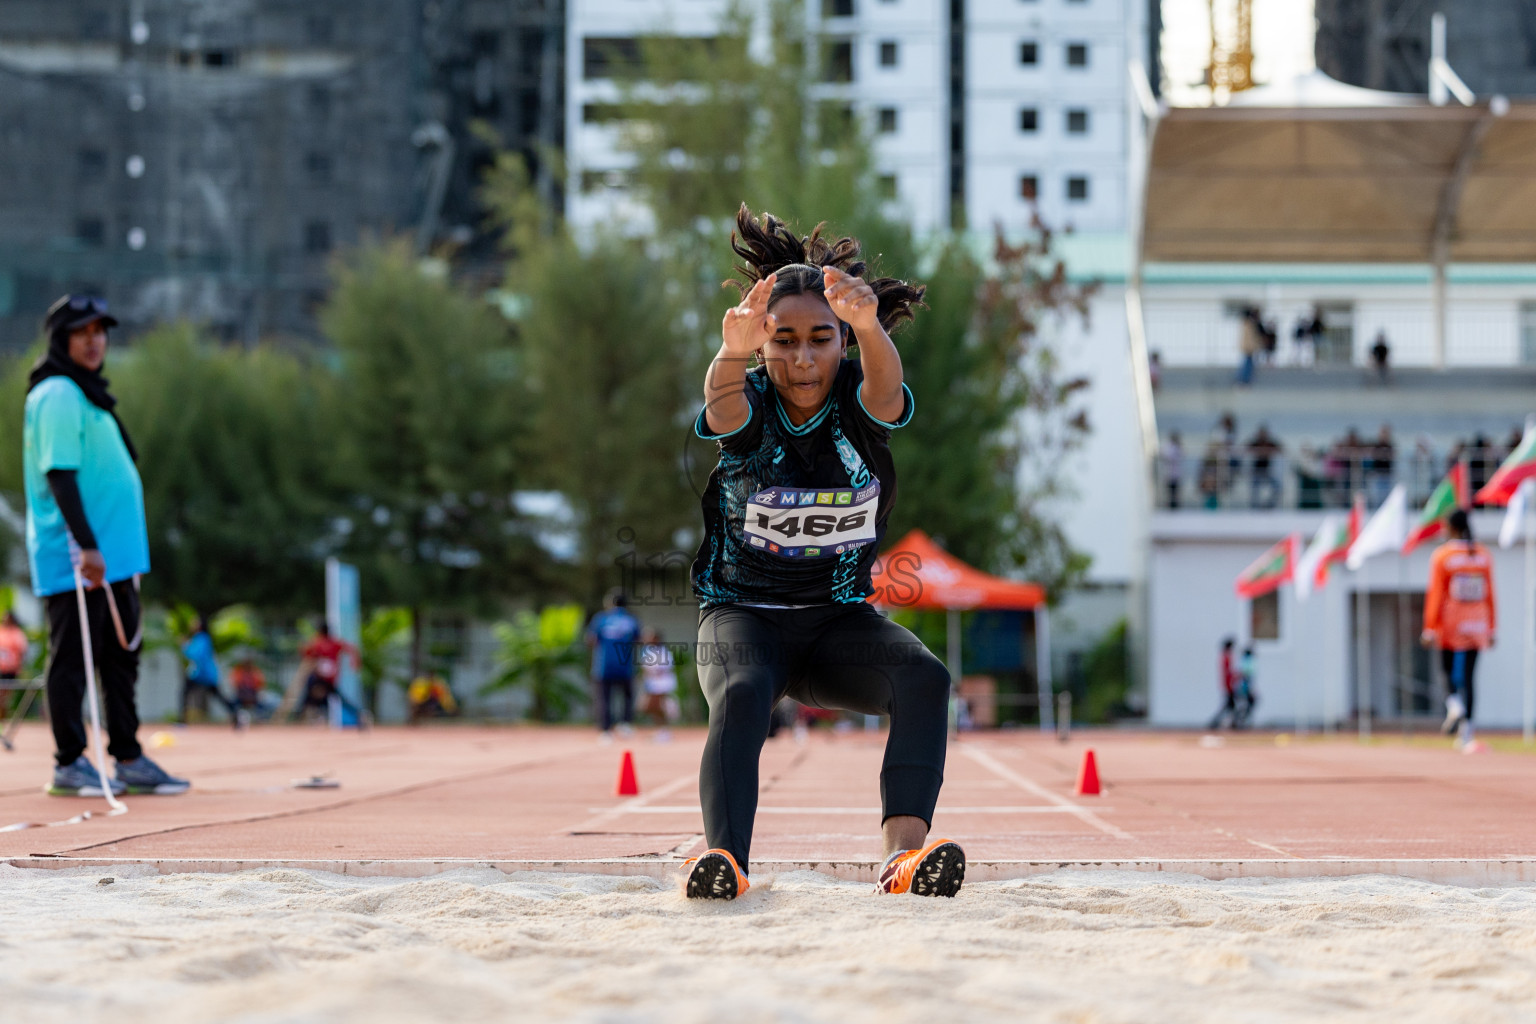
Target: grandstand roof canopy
point(1322, 172)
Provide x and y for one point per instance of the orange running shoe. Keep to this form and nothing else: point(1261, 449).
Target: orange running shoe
point(713, 876)
point(938, 869)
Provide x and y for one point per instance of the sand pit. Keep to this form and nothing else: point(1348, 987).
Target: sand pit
point(294, 946)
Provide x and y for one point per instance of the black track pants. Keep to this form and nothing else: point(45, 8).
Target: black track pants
point(1469, 665)
point(845, 657)
point(118, 669)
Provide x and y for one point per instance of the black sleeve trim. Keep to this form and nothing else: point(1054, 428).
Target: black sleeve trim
point(67, 493)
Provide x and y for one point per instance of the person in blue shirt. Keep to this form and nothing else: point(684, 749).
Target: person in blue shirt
point(613, 636)
point(85, 514)
point(203, 673)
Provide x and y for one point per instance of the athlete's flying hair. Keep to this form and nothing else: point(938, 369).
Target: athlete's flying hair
point(768, 246)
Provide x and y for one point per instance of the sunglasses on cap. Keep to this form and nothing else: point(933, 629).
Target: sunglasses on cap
point(87, 304)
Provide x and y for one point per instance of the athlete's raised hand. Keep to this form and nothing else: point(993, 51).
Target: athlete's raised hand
point(749, 325)
point(852, 301)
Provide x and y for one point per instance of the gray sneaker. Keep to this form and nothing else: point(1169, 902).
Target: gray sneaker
point(143, 777)
point(81, 779)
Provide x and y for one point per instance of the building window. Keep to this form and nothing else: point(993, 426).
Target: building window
point(1335, 346)
point(837, 8)
point(1029, 187)
point(1029, 54)
point(91, 231)
point(1264, 617)
point(317, 237)
point(1077, 55)
point(888, 54)
point(1029, 119)
point(1077, 122)
point(888, 121)
point(93, 163)
point(886, 186)
point(1528, 332)
point(1077, 188)
point(837, 61)
point(609, 56)
point(318, 166)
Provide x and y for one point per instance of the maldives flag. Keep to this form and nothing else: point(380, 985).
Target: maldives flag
point(1454, 492)
point(1515, 470)
point(1338, 550)
point(1272, 568)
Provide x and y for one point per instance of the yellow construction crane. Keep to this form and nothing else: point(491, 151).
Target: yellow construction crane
point(1231, 67)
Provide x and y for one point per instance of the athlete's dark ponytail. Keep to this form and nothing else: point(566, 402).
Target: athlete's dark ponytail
point(768, 246)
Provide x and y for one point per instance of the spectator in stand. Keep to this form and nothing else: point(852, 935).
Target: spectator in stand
point(1172, 458)
point(1225, 440)
point(1379, 466)
point(1343, 468)
point(1309, 330)
point(1381, 356)
point(1311, 478)
point(1269, 341)
point(430, 697)
point(13, 647)
point(1210, 477)
point(1481, 460)
point(1262, 448)
point(1155, 369)
point(1250, 343)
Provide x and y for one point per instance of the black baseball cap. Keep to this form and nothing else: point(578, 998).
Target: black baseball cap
point(71, 312)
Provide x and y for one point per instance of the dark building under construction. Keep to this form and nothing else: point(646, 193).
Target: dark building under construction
point(1385, 44)
point(202, 159)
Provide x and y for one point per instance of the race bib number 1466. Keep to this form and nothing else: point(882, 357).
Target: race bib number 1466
point(801, 522)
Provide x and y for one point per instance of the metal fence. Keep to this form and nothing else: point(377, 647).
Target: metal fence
point(1233, 479)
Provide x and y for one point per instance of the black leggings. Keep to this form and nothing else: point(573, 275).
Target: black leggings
point(845, 657)
point(1448, 662)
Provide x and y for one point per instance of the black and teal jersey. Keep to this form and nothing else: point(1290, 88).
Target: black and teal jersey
point(795, 515)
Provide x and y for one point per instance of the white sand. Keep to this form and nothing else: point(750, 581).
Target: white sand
point(293, 946)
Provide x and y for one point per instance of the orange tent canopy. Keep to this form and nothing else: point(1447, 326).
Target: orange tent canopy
point(917, 573)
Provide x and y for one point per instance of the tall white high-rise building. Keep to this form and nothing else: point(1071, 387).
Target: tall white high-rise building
point(981, 111)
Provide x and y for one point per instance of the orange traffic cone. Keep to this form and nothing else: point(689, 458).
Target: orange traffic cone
point(1088, 775)
point(628, 785)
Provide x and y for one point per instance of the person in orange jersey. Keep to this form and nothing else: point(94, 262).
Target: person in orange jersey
point(1459, 617)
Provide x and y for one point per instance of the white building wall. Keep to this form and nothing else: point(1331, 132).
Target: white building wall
point(1106, 515)
point(1192, 324)
point(999, 86)
point(1308, 673)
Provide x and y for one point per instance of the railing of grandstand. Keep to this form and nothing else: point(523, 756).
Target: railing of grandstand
point(1238, 481)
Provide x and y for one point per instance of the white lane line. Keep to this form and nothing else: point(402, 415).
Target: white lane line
point(603, 817)
point(694, 808)
point(1083, 814)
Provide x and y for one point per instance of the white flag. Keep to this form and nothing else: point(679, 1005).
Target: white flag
point(1306, 567)
point(1385, 531)
point(1514, 515)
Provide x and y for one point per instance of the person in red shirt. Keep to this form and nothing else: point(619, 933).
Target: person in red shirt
point(1228, 710)
point(13, 647)
point(1459, 616)
point(322, 656)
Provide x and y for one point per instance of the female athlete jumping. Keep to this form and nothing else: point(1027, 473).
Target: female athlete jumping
point(793, 515)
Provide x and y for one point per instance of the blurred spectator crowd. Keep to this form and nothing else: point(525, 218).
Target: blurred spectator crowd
point(1261, 471)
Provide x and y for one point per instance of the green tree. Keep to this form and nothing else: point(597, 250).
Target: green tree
point(611, 370)
point(238, 498)
point(430, 411)
point(715, 122)
point(540, 654)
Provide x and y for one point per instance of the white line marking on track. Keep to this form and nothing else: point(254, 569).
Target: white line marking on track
point(693, 808)
point(603, 817)
point(1083, 814)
